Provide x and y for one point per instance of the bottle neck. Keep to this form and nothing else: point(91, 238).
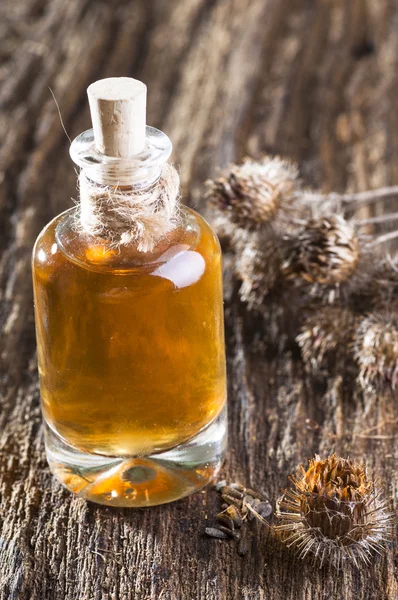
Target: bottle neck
point(140, 213)
point(127, 200)
point(139, 182)
point(142, 169)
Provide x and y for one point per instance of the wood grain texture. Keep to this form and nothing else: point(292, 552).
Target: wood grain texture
point(313, 80)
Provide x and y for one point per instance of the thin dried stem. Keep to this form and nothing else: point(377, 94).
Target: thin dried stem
point(375, 437)
point(374, 220)
point(366, 197)
point(382, 239)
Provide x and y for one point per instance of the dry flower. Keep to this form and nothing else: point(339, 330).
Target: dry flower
point(258, 266)
point(332, 261)
point(226, 230)
point(288, 240)
point(334, 512)
point(253, 192)
point(324, 251)
point(376, 349)
point(326, 336)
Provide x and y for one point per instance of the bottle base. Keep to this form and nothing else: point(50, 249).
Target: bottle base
point(142, 481)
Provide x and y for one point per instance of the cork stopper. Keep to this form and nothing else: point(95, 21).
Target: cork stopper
point(118, 114)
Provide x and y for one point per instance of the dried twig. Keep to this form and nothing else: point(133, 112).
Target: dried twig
point(365, 197)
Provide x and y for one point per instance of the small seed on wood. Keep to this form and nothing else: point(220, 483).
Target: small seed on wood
point(226, 520)
point(248, 499)
point(232, 534)
point(234, 515)
point(216, 533)
point(264, 509)
point(254, 494)
point(231, 500)
point(231, 492)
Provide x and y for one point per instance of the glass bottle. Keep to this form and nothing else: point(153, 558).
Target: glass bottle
point(130, 346)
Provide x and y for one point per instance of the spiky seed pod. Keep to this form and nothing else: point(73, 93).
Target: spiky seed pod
point(254, 192)
point(324, 251)
point(334, 512)
point(326, 336)
point(258, 259)
point(376, 350)
point(224, 228)
point(258, 262)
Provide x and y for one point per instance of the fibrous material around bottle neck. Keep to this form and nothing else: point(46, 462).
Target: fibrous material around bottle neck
point(137, 214)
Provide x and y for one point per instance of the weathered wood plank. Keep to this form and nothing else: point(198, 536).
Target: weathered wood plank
point(316, 81)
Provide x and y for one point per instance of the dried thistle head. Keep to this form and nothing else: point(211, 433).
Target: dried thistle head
point(227, 231)
point(324, 251)
point(326, 335)
point(257, 266)
point(334, 512)
point(376, 349)
point(253, 192)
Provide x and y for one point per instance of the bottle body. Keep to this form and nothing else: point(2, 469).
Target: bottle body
point(131, 361)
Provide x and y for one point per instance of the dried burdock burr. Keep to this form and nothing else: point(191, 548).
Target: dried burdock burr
point(228, 233)
point(330, 258)
point(254, 193)
point(334, 513)
point(324, 251)
point(258, 260)
point(376, 349)
point(258, 266)
point(326, 338)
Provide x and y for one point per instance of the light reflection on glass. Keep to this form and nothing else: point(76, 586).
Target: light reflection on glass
point(41, 255)
point(183, 269)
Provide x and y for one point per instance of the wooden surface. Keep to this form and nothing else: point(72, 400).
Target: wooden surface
point(314, 80)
